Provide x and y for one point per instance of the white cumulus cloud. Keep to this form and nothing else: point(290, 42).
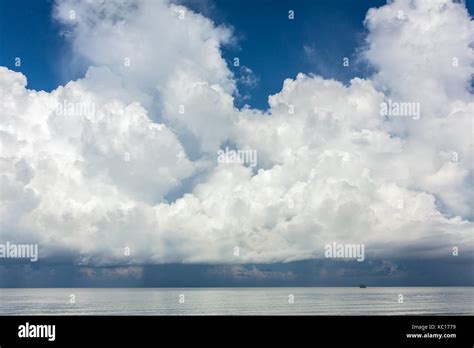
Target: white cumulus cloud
point(89, 168)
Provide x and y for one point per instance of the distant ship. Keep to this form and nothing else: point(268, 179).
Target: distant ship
point(362, 286)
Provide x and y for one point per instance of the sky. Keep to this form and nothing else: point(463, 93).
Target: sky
point(114, 123)
point(29, 31)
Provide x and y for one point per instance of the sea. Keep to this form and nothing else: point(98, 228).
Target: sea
point(239, 301)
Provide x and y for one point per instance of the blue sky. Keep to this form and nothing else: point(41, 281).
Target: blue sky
point(274, 48)
point(330, 30)
point(324, 33)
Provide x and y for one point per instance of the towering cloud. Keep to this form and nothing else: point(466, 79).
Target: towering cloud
point(126, 157)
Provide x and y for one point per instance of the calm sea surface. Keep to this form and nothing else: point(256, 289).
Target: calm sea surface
point(240, 301)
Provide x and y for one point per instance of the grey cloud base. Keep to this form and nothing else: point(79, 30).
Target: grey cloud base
point(294, 274)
